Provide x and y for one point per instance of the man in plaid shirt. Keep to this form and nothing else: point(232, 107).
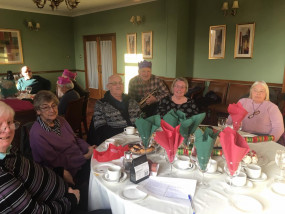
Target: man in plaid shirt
point(143, 84)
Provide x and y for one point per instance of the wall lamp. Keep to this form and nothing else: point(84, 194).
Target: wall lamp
point(136, 20)
point(225, 8)
point(32, 25)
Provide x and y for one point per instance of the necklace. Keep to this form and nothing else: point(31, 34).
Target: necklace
point(255, 111)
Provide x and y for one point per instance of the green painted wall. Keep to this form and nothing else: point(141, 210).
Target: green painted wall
point(269, 45)
point(51, 48)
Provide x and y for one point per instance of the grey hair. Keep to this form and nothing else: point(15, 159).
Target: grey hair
point(179, 79)
point(44, 96)
point(263, 83)
point(6, 110)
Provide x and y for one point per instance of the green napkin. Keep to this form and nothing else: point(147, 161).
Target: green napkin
point(204, 144)
point(174, 118)
point(146, 127)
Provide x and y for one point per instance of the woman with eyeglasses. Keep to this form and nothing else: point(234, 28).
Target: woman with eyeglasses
point(25, 186)
point(177, 100)
point(264, 117)
point(55, 145)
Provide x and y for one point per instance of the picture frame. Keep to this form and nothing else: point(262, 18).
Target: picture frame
point(217, 42)
point(147, 45)
point(244, 40)
point(10, 47)
point(132, 43)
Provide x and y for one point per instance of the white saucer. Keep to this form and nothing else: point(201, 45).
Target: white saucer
point(102, 167)
point(246, 203)
point(262, 177)
point(121, 179)
point(278, 188)
point(190, 168)
point(131, 193)
point(248, 184)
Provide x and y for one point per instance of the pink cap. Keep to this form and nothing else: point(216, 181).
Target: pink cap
point(69, 74)
point(63, 80)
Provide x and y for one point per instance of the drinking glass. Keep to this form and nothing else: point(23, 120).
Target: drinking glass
point(222, 122)
point(170, 159)
point(29, 89)
point(235, 173)
point(203, 167)
point(280, 162)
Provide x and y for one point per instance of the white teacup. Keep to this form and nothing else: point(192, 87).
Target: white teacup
point(253, 171)
point(110, 141)
point(183, 162)
point(130, 130)
point(239, 180)
point(113, 173)
point(212, 166)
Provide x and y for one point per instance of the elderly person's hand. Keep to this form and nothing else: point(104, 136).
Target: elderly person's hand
point(67, 177)
point(90, 152)
point(75, 192)
point(151, 100)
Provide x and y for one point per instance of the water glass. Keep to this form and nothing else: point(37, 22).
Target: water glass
point(280, 162)
point(222, 122)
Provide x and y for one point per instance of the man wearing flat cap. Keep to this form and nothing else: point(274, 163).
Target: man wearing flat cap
point(147, 89)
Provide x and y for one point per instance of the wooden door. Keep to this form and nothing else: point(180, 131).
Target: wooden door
point(98, 91)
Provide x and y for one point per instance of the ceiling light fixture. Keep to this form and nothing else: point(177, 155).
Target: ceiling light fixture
point(71, 4)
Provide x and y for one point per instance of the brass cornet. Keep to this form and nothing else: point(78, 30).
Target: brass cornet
point(142, 103)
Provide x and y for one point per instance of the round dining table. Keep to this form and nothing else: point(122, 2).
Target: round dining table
point(211, 200)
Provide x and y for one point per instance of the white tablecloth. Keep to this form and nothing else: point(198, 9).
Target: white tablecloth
point(213, 200)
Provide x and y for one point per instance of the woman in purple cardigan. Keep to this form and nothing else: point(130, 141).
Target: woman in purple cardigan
point(264, 117)
point(55, 145)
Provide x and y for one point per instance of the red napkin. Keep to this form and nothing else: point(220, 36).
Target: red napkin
point(170, 139)
point(112, 153)
point(234, 147)
point(237, 113)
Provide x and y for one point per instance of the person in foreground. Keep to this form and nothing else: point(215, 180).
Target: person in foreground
point(264, 117)
point(178, 101)
point(27, 187)
point(112, 113)
point(55, 145)
point(147, 89)
point(36, 82)
point(66, 94)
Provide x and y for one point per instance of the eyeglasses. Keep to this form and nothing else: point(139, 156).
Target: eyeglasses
point(253, 114)
point(257, 91)
point(116, 83)
point(13, 125)
point(48, 108)
point(179, 86)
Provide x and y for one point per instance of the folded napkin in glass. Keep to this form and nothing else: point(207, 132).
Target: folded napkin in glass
point(112, 153)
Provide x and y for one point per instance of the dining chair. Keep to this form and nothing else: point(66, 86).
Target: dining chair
point(25, 147)
point(84, 111)
point(73, 115)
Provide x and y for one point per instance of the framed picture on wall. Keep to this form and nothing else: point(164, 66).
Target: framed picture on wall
point(132, 43)
point(244, 40)
point(217, 42)
point(147, 45)
point(10, 47)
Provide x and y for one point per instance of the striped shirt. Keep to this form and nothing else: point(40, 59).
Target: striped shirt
point(27, 187)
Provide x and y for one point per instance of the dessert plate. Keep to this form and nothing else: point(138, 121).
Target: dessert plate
point(263, 177)
point(278, 188)
point(190, 168)
point(246, 203)
point(122, 178)
point(132, 193)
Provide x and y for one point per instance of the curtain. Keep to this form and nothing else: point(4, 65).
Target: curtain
point(92, 68)
point(107, 62)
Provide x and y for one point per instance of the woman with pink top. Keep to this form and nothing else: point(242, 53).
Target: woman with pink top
point(264, 117)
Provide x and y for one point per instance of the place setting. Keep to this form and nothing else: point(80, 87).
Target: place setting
point(114, 174)
point(183, 163)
